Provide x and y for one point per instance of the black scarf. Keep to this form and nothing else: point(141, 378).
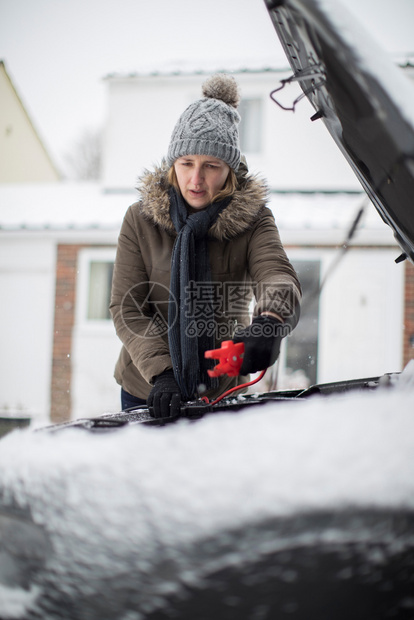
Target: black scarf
point(191, 324)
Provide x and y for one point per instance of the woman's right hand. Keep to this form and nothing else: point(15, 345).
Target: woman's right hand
point(164, 400)
point(261, 341)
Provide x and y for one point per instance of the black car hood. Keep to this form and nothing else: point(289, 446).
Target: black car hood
point(364, 100)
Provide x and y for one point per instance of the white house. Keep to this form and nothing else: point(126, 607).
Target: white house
point(287, 148)
point(57, 246)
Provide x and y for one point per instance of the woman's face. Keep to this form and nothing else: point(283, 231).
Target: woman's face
point(200, 178)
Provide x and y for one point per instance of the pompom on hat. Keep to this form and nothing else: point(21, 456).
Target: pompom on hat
point(209, 126)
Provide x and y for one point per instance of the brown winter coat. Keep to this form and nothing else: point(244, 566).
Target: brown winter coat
point(244, 249)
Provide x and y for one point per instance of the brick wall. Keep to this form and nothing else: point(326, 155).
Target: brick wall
point(65, 301)
point(408, 352)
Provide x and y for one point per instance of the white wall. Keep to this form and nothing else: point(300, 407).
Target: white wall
point(361, 316)
point(27, 284)
point(95, 349)
point(360, 327)
point(94, 390)
point(142, 112)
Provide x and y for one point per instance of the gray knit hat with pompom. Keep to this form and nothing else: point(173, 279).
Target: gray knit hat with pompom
point(209, 126)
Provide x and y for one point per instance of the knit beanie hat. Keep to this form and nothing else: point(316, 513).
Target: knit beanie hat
point(209, 126)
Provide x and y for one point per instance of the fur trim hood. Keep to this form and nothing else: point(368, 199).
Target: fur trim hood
point(247, 203)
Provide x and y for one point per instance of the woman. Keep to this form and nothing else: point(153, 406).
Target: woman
point(190, 255)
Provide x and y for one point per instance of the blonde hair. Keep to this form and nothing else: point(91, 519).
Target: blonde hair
point(228, 189)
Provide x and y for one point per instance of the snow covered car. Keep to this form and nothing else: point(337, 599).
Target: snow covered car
point(282, 505)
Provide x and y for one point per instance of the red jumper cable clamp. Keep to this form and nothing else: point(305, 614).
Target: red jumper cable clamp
point(230, 357)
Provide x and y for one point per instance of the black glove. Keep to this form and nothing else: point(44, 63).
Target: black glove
point(165, 397)
point(261, 343)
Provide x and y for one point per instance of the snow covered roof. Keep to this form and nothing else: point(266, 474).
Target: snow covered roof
point(61, 206)
point(271, 64)
point(74, 208)
point(187, 68)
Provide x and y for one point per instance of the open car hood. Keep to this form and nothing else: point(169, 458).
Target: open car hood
point(363, 99)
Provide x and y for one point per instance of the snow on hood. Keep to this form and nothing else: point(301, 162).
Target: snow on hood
point(276, 459)
point(144, 510)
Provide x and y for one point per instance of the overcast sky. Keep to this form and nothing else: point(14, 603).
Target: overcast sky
point(58, 51)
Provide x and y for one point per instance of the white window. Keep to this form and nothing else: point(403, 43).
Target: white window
point(95, 269)
point(250, 129)
point(99, 294)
